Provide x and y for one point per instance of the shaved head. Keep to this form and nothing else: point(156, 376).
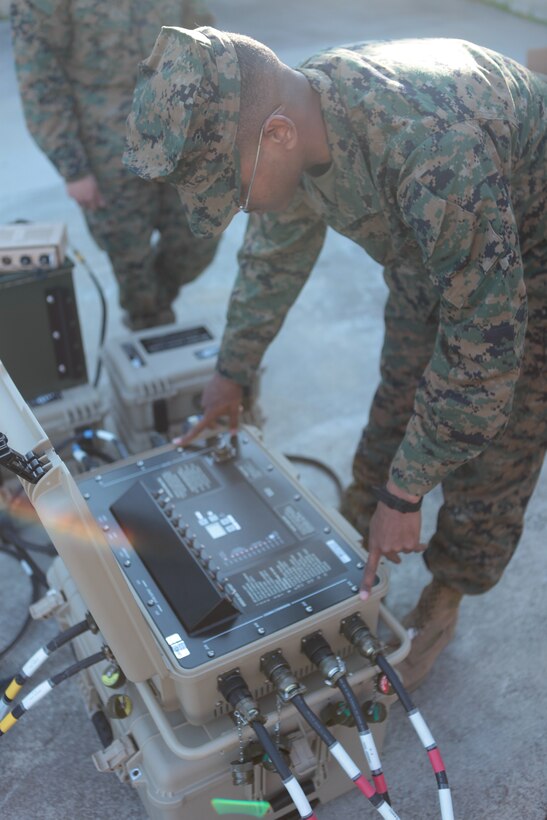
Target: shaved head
point(261, 72)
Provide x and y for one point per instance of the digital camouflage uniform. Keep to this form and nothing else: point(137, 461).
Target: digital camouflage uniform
point(77, 65)
point(439, 152)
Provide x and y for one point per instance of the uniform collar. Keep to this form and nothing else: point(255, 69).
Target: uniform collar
point(355, 193)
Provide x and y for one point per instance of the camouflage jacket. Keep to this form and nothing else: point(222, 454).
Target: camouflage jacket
point(439, 151)
point(77, 62)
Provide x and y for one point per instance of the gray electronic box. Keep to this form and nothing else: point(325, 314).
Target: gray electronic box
point(50, 370)
point(157, 376)
point(194, 563)
point(40, 305)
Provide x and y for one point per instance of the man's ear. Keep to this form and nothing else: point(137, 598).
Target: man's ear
point(281, 131)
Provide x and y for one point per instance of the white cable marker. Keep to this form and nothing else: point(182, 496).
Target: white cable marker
point(26, 567)
point(35, 662)
point(386, 811)
point(445, 800)
point(298, 797)
point(105, 435)
point(36, 695)
point(345, 761)
point(370, 750)
point(421, 728)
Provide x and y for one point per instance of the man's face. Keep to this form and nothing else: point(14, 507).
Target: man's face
point(274, 185)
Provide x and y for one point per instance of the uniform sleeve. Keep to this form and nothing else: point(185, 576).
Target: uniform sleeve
point(456, 201)
point(275, 261)
point(41, 36)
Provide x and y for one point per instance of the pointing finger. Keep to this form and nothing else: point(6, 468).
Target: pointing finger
point(370, 574)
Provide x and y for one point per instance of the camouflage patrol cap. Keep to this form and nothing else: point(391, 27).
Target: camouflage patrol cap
point(183, 123)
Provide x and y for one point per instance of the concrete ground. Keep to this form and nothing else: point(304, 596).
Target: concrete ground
point(486, 700)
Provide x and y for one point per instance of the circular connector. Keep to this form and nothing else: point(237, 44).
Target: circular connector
point(337, 714)
point(383, 685)
point(242, 773)
point(119, 707)
point(113, 677)
point(374, 711)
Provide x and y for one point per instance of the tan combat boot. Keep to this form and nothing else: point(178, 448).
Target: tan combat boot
point(431, 626)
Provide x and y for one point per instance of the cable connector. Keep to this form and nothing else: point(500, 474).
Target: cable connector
point(277, 670)
point(48, 605)
point(92, 623)
point(31, 466)
point(316, 648)
point(233, 688)
point(225, 450)
point(357, 633)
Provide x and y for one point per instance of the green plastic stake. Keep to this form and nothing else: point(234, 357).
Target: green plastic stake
point(252, 808)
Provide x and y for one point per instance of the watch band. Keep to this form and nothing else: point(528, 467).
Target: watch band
point(394, 502)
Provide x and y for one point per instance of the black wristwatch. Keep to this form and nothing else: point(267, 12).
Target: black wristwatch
point(394, 502)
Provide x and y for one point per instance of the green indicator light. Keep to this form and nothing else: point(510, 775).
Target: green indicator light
point(252, 808)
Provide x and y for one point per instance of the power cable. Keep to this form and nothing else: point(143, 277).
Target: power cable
point(319, 465)
point(319, 652)
point(40, 691)
point(104, 309)
point(38, 658)
point(358, 634)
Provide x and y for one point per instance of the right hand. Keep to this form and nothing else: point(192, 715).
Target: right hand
point(86, 193)
point(221, 397)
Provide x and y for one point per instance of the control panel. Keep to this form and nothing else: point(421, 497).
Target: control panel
point(220, 546)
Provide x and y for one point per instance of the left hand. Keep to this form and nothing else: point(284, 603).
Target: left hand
point(391, 532)
point(86, 192)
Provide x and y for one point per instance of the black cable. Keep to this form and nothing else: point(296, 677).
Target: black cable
point(94, 453)
point(23, 555)
point(84, 438)
point(82, 458)
point(37, 659)
point(376, 798)
point(320, 465)
point(9, 534)
point(103, 435)
point(422, 730)
point(353, 703)
point(59, 447)
point(70, 671)
point(310, 717)
point(35, 594)
point(104, 310)
point(271, 750)
point(364, 731)
point(40, 691)
point(68, 635)
point(382, 662)
point(17, 548)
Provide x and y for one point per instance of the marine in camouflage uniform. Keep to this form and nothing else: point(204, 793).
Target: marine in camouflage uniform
point(76, 64)
point(439, 172)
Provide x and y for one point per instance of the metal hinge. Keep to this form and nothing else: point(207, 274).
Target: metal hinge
point(30, 466)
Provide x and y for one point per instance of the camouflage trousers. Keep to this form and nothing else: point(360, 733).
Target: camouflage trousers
point(481, 519)
point(150, 267)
